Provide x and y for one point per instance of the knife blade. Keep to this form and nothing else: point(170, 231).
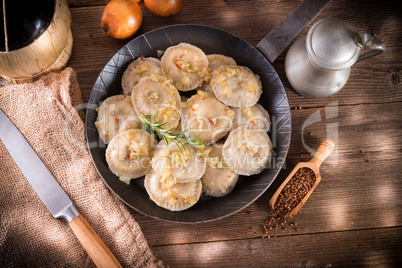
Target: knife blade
point(282, 35)
point(51, 194)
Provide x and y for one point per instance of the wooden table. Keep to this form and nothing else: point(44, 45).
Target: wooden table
point(354, 217)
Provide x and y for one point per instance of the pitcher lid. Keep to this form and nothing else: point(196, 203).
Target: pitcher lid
point(333, 44)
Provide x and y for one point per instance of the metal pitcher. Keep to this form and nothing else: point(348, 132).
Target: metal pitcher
point(318, 65)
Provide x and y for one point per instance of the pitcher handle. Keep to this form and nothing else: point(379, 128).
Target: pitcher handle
point(375, 47)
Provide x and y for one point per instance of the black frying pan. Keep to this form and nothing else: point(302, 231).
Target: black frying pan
point(210, 40)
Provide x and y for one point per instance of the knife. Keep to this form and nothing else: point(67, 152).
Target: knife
point(51, 194)
point(282, 35)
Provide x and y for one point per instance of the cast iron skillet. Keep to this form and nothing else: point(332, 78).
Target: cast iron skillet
point(210, 40)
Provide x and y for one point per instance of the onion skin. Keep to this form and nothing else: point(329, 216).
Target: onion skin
point(121, 19)
point(163, 8)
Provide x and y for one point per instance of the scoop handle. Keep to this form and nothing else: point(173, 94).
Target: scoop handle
point(325, 149)
point(92, 243)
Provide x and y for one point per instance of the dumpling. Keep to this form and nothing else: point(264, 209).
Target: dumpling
point(217, 60)
point(236, 86)
point(205, 87)
point(251, 117)
point(178, 130)
point(205, 116)
point(155, 95)
point(184, 166)
point(186, 65)
point(129, 154)
point(140, 68)
point(218, 179)
point(172, 196)
point(247, 151)
point(116, 114)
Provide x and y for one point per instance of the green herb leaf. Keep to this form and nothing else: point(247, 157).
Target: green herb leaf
point(180, 140)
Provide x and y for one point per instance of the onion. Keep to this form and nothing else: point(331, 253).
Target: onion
point(163, 8)
point(121, 18)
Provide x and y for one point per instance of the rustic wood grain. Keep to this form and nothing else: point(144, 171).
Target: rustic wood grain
point(363, 248)
point(354, 216)
point(90, 41)
point(353, 194)
point(375, 80)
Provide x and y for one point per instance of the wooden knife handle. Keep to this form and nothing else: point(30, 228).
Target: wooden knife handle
point(91, 242)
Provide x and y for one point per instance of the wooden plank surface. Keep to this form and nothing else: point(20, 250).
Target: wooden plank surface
point(352, 195)
point(363, 248)
point(375, 80)
point(354, 217)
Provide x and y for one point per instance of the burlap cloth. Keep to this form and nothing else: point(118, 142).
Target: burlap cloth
point(29, 236)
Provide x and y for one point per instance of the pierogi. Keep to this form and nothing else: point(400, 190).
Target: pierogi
point(170, 195)
point(138, 69)
point(182, 166)
point(251, 117)
point(205, 87)
point(186, 65)
point(129, 154)
point(116, 114)
point(247, 151)
point(205, 116)
point(217, 60)
point(223, 115)
point(155, 95)
point(236, 86)
point(218, 179)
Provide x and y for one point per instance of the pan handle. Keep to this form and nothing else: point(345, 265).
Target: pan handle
point(274, 43)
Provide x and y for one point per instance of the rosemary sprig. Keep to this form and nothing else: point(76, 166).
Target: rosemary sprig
point(180, 140)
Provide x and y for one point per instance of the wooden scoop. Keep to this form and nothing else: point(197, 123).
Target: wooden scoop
point(314, 164)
